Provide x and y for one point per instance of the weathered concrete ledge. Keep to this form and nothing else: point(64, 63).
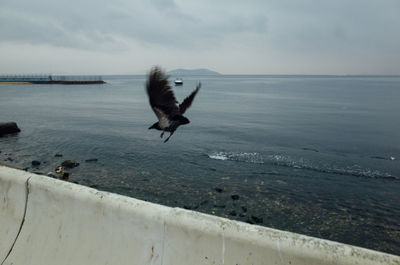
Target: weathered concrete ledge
point(48, 221)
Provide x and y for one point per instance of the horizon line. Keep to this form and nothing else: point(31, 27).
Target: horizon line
point(218, 74)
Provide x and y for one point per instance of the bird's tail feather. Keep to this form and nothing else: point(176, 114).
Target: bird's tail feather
point(182, 119)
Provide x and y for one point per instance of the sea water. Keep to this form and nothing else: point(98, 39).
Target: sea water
point(318, 155)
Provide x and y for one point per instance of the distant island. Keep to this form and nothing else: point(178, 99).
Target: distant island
point(182, 72)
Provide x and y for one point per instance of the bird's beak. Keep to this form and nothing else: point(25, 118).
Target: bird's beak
point(154, 126)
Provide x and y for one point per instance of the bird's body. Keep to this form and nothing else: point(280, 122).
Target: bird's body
point(164, 104)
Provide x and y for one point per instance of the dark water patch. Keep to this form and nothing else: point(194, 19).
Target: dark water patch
point(90, 160)
point(390, 158)
point(219, 190)
point(310, 149)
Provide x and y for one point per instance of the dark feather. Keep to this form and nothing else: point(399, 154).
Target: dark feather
point(160, 93)
point(164, 104)
point(188, 100)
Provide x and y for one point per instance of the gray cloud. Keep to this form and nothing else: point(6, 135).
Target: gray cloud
point(254, 36)
point(97, 24)
point(314, 25)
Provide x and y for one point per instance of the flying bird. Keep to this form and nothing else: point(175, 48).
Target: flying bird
point(164, 104)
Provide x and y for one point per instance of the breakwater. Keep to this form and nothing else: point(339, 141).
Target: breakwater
point(50, 79)
point(80, 225)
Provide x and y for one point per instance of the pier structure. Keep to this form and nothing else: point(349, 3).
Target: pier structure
point(25, 78)
point(51, 79)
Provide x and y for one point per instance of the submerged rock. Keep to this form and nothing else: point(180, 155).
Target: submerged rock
point(235, 197)
point(204, 202)
point(91, 160)
point(249, 221)
point(8, 128)
point(257, 219)
point(310, 149)
point(219, 190)
point(35, 163)
point(233, 213)
point(69, 164)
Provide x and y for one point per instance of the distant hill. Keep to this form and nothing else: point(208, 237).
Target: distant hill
point(181, 72)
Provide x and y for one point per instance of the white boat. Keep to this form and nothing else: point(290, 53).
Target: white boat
point(178, 81)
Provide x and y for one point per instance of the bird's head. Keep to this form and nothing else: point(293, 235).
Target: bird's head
point(184, 120)
point(155, 126)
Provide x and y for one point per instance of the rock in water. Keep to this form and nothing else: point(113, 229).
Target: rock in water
point(69, 164)
point(8, 128)
point(219, 190)
point(235, 197)
point(257, 219)
point(35, 163)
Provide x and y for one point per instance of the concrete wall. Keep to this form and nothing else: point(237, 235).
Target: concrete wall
point(12, 208)
point(47, 221)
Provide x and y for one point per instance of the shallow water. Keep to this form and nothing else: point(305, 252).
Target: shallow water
point(313, 155)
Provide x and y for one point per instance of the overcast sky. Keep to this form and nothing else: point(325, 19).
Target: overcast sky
point(231, 37)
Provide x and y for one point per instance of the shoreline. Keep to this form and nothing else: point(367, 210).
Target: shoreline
point(262, 200)
point(15, 83)
point(221, 198)
point(74, 82)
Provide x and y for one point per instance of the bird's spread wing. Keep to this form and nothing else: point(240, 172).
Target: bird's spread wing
point(160, 94)
point(188, 100)
point(163, 120)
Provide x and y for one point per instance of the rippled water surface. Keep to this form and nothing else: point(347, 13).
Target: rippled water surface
point(313, 155)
